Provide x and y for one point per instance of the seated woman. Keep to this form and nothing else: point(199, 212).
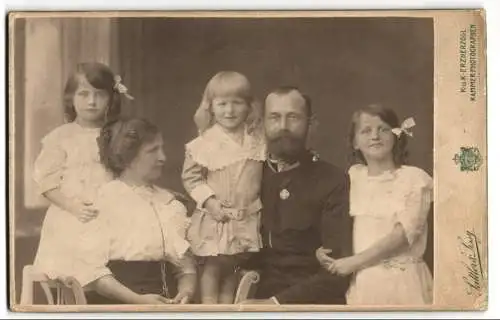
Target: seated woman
point(136, 246)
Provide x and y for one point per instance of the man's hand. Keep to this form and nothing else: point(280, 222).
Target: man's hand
point(344, 266)
point(323, 258)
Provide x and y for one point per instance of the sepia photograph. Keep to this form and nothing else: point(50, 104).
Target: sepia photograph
point(245, 161)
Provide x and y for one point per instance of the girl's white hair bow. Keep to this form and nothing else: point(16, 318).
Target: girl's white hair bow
point(120, 87)
point(405, 127)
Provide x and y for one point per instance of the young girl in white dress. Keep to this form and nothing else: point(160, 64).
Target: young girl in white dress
point(222, 173)
point(67, 170)
point(390, 202)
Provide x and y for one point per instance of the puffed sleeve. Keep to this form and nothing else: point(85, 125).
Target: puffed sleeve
point(178, 223)
point(185, 265)
point(418, 200)
point(354, 170)
point(194, 181)
point(49, 165)
point(95, 245)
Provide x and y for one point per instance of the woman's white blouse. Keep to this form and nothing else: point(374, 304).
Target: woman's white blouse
point(129, 227)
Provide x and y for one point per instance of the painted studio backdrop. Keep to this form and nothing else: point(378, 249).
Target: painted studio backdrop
point(342, 63)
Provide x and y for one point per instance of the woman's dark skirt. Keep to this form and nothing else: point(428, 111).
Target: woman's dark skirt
point(142, 277)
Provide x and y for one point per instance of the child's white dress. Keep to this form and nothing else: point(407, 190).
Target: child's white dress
point(377, 203)
point(69, 160)
point(217, 165)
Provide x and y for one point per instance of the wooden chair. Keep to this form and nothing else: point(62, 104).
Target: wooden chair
point(247, 285)
point(67, 291)
point(70, 292)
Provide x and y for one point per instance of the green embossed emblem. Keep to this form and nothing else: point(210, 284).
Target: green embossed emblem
point(469, 159)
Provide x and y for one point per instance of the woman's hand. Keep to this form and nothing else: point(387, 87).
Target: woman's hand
point(323, 258)
point(109, 287)
point(153, 299)
point(258, 301)
point(214, 207)
point(182, 297)
point(84, 211)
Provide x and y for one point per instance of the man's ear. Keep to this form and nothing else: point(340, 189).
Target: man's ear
point(312, 129)
point(313, 124)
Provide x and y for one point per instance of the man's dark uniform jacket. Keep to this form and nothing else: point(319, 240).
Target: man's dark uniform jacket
point(304, 208)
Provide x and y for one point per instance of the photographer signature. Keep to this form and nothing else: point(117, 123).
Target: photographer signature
point(469, 248)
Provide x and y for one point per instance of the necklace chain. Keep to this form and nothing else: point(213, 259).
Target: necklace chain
point(163, 263)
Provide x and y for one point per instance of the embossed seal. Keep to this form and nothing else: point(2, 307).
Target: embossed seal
point(469, 159)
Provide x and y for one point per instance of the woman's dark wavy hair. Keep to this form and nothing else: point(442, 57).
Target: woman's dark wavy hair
point(120, 141)
point(399, 150)
point(99, 76)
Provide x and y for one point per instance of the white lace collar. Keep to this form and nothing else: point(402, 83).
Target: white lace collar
point(386, 175)
point(215, 149)
point(150, 193)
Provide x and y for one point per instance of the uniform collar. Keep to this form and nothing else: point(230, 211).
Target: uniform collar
point(280, 165)
point(277, 165)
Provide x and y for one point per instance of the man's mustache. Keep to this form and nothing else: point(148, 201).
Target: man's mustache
point(283, 134)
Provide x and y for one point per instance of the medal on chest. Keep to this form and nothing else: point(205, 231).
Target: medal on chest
point(284, 194)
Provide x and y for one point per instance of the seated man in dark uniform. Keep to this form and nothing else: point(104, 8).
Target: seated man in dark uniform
point(305, 206)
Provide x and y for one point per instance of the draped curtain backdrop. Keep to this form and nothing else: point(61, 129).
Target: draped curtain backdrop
point(342, 63)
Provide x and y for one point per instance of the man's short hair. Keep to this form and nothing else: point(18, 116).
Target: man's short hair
point(283, 90)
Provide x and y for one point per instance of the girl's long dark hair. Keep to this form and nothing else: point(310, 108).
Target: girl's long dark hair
point(399, 150)
point(99, 76)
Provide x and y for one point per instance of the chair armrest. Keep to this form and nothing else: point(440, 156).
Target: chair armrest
point(71, 291)
point(247, 285)
point(67, 291)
